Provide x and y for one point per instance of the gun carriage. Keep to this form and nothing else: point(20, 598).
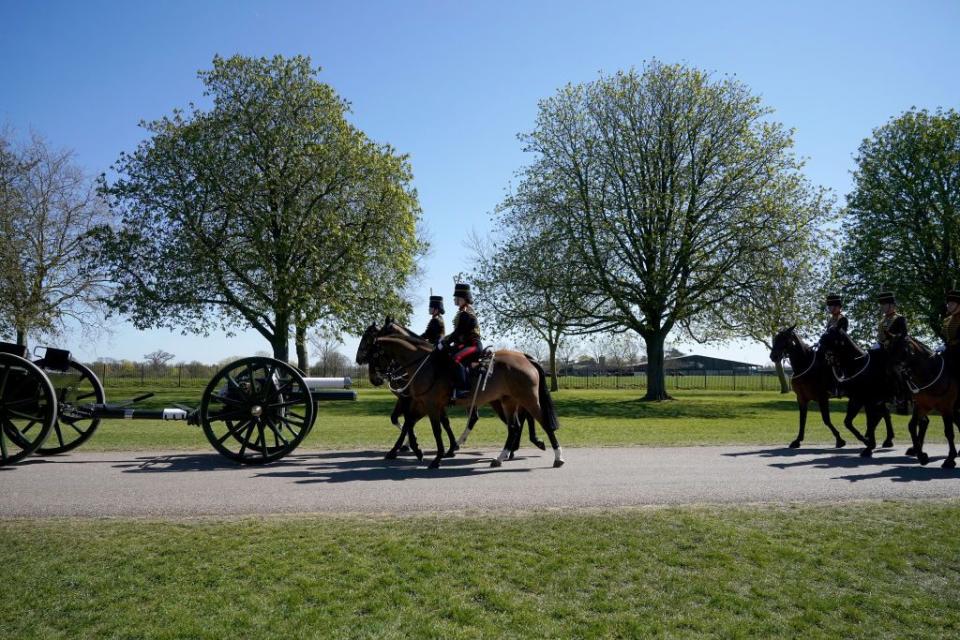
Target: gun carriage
point(254, 410)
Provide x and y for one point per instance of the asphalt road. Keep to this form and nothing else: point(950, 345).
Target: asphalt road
point(202, 483)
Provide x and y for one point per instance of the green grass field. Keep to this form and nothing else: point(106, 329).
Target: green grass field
point(588, 418)
point(856, 571)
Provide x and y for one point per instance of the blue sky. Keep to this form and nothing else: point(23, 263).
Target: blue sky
point(453, 83)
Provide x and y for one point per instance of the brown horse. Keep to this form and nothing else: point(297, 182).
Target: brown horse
point(515, 382)
point(811, 381)
point(934, 389)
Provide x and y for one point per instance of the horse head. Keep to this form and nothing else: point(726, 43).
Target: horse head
point(366, 343)
point(782, 342)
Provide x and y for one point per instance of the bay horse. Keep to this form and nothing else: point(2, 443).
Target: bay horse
point(515, 382)
point(812, 380)
point(934, 388)
point(402, 405)
point(863, 377)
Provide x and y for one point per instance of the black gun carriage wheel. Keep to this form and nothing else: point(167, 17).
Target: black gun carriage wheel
point(75, 385)
point(257, 410)
point(28, 408)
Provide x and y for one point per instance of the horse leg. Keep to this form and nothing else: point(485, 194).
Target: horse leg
point(873, 418)
point(438, 436)
point(471, 421)
point(824, 404)
point(888, 442)
point(951, 461)
point(912, 428)
point(445, 422)
point(537, 415)
point(853, 408)
point(922, 456)
point(532, 428)
point(509, 416)
point(405, 431)
point(803, 423)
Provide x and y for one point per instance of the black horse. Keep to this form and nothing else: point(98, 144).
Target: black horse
point(812, 380)
point(864, 377)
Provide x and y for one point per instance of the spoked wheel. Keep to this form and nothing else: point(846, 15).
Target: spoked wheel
point(28, 408)
point(256, 410)
point(75, 387)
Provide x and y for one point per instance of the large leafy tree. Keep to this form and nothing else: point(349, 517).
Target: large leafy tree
point(268, 210)
point(527, 276)
point(903, 227)
point(48, 210)
point(668, 184)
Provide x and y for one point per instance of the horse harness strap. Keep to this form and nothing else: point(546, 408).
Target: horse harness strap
point(813, 361)
point(915, 389)
point(842, 379)
point(412, 378)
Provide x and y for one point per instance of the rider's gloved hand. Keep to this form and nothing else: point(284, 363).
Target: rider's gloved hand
point(875, 345)
point(440, 346)
point(941, 348)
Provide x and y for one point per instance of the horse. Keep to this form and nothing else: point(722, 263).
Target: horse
point(403, 402)
point(811, 381)
point(933, 389)
point(865, 386)
point(515, 382)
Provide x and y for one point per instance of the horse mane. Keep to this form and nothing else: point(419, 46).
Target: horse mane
point(412, 343)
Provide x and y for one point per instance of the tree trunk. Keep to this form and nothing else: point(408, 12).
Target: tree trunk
point(303, 362)
point(656, 376)
point(554, 384)
point(281, 337)
point(21, 337)
point(784, 386)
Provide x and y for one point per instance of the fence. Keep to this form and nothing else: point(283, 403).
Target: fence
point(197, 376)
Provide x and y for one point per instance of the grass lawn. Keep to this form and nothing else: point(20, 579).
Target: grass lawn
point(588, 418)
point(867, 570)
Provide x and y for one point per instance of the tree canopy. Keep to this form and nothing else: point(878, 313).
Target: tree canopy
point(670, 186)
point(903, 220)
point(268, 210)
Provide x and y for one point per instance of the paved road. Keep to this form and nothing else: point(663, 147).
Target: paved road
point(202, 483)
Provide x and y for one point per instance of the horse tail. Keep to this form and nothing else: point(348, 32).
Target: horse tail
point(548, 409)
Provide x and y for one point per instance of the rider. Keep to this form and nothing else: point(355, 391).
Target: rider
point(951, 332)
point(836, 319)
point(435, 327)
point(465, 338)
point(891, 324)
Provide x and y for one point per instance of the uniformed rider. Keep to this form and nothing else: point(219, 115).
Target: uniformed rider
point(891, 324)
point(435, 328)
point(464, 341)
point(836, 319)
point(951, 332)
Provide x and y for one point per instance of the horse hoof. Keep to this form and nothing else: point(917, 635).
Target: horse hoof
point(866, 453)
point(841, 443)
point(454, 447)
point(391, 455)
point(419, 455)
point(923, 458)
point(450, 454)
point(510, 457)
point(496, 462)
point(949, 463)
point(404, 448)
point(435, 464)
point(795, 444)
point(557, 464)
point(887, 444)
point(911, 452)
point(540, 445)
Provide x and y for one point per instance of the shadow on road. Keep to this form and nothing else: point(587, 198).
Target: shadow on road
point(904, 469)
point(327, 467)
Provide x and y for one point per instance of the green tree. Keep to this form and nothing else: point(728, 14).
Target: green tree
point(528, 279)
point(666, 182)
point(903, 220)
point(48, 210)
point(267, 210)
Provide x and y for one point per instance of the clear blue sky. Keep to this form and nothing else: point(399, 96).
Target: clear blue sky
point(452, 83)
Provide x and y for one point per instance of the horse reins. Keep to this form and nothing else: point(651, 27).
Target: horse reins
point(813, 361)
point(842, 379)
point(914, 389)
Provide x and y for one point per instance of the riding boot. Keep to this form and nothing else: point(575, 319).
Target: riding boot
point(462, 388)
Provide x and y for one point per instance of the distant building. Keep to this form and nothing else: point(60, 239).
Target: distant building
point(692, 363)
